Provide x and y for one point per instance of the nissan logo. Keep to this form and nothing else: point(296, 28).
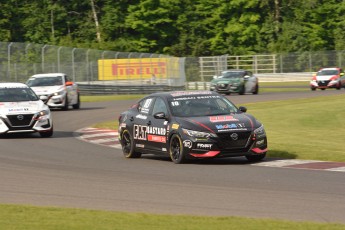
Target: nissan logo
point(234, 136)
point(20, 117)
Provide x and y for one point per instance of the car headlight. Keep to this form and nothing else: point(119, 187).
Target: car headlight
point(260, 132)
point(198, 134)
point(58, 93)
point(44, 113)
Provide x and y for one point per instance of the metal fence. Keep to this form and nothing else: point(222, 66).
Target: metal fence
point(302, 62)
point(18, 61)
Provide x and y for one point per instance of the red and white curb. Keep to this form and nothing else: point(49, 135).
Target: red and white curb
point(108, 137)
point(105, 137)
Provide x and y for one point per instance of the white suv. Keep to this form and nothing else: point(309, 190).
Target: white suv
point(56, 90)
point(21, 111)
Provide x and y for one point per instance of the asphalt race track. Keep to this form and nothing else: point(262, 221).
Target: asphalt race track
point(64, 171)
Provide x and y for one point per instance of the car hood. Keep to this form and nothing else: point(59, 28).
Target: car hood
point(24, 107)
point(326, 77)
point(225, 80)
point(45, 90)
point(220, 123)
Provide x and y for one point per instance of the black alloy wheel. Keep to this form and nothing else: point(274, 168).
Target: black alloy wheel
point(127, 144)
point(176, 150)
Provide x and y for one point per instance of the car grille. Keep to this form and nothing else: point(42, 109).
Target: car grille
point(222, 86)
point(20, 119)
point(225, 141)
point(323, 83)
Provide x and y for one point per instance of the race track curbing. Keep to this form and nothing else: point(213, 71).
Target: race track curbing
point(108, 137)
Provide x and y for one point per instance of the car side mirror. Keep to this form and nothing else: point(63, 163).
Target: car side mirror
point(68, 83)
point(242, 109)
point(44, 98)
point(159, 115)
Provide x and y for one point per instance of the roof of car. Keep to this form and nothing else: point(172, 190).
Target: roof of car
point(13, 85)
point(330, 68)
point(184, 93)
point(48, 75)
point(234, 70)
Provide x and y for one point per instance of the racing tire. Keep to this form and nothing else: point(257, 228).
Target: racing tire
point(176, 150)
point(256, 158)
point(77, 106)
point(242, 90)
point(338, 86)
point(47, 133)
point(127, 144)
point(256, 91)
point(313, 89)
point(65, 106)
point(323, 89)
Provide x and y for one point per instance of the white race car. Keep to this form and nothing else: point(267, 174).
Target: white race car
point(21, 111)
point(56, 90)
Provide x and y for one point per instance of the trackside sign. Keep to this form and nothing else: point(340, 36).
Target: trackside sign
point(140, 68)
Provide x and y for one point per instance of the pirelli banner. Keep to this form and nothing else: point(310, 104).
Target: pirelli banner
point(141, 69)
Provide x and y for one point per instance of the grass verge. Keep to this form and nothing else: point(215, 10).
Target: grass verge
point(48, 218)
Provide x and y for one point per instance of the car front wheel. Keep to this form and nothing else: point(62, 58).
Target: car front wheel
point(77, 105)
point(127, 144)
point(176, 150)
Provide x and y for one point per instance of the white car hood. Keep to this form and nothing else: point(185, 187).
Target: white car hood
point(46, 90)
point(324, 77)
point(24, 107)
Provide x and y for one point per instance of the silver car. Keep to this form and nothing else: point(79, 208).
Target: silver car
point(56, 90)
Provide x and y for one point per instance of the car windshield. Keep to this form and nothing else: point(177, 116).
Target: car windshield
point(197, 106)
point(232, 74)
point(328, 72)
point(44, 81)
point(17, 95)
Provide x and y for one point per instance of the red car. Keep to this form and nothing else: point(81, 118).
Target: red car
point(327, 78)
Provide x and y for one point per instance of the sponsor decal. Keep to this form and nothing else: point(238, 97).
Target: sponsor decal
point(140, 116)
point(141, 132)
point(18, 109)
point(222, 118)
point(175, 126)
point(231, 127)
point(146, 106)
point(204, 146)
point(182, 93)
point(155, 138)
point(187, 144)
point(140, 146)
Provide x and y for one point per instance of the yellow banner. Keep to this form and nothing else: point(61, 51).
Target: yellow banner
point(128, 69)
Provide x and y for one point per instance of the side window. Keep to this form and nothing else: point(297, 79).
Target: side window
point(145, 105)
point(159, 106)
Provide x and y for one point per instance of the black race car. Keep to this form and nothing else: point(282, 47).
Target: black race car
point(190, 125)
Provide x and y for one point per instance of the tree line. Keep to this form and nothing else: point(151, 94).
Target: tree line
point(178, 27)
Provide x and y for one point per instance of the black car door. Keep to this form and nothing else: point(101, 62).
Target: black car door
point(157, 127)
point(139, 122)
